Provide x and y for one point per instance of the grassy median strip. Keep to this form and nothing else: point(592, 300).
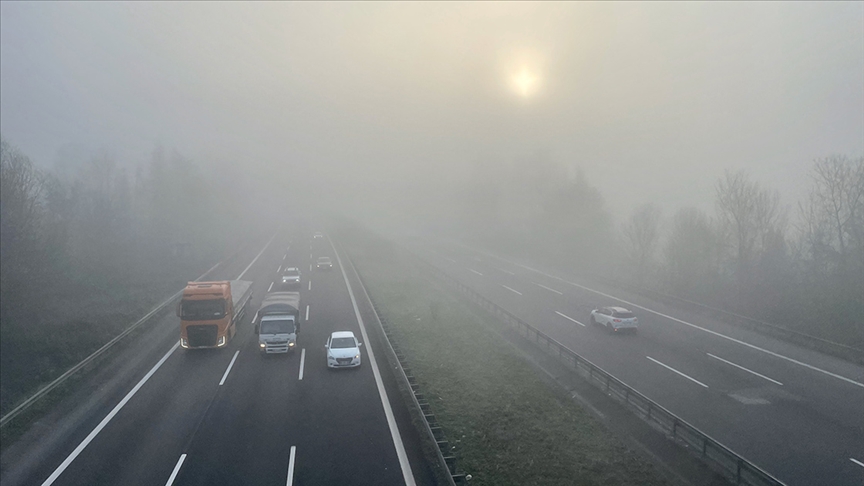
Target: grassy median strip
point(508, 425)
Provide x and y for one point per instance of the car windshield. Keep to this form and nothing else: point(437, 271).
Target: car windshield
point(197, 310)
point(280, 326)
point(623, 315)
point(323, 260)
point(292, 273)
point(343, 342)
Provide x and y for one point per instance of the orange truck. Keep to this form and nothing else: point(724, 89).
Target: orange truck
point(209, 312)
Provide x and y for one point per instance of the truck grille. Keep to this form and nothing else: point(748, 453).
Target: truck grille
point(204, 335)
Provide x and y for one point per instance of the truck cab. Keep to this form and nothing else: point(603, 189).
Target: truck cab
point(277, 334)
point(278, 322)
point(209, 312)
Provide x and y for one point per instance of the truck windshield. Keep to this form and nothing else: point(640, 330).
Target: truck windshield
point(200, 310)
point(281, 326)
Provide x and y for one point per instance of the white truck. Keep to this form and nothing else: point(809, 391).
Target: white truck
point(278, 322)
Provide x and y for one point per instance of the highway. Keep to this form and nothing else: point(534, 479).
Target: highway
point(165, 415)
point(794, 412)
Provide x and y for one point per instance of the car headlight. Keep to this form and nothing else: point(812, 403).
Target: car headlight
point(356, 356)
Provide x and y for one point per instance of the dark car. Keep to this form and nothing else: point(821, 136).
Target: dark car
point(324, 263)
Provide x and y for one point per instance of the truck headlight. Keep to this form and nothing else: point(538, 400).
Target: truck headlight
point(221, 341)
point(184, 342)
point(292, 343)
point(262, 345)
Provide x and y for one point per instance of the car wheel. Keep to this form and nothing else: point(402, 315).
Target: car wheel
point(609, 328)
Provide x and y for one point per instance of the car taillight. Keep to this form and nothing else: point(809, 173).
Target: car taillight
point(616, 320)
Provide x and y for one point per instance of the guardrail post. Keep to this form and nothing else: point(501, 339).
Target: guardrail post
point(738, 472)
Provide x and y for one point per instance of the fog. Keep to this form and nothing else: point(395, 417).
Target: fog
point(705, 159)
point(359, 99)
point(705, 145)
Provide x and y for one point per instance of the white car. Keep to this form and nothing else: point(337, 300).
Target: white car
point(291, 276)
point(318, 235)
point(615, 319)
point(343, 350)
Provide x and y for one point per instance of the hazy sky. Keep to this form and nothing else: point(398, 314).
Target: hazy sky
point(652, 100)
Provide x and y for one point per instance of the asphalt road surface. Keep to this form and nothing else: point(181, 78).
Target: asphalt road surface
point(234, 416)
point(794, 412)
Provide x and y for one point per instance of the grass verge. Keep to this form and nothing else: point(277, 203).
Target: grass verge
point(508, 424)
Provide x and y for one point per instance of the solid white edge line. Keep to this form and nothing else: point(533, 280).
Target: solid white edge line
point(857, 462)
point(176, 470)
point(62, 467)
point(302, 362)
point(694, 380)
point(475, 271)
point(548, 288)
point(511, 290)
point(222, 381)
point(256, 258)
point(745, 369)
point(407, 474)
point(290, 479)
point(307, 312)
point(709, 331)
point(568, 317)
point(270, 287)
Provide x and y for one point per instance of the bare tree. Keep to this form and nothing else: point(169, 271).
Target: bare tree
point(834, 215)
point(751, 216)
point(21, 224)
point(641, 237)
point(692, 251)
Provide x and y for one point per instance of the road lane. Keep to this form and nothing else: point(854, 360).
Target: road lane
point(816, 412)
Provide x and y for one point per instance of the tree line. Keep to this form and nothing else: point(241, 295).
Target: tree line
point(99, 229)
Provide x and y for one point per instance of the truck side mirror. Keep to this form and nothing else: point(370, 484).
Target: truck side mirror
point(177, 308)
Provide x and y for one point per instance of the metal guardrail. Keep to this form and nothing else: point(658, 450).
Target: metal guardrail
point(21, 407)
point(433, 431)
point(733, 466)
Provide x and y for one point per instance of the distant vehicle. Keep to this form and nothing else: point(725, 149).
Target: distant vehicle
point(209, 312)
point(324, 263)
point(291, 277)
point(278, 322)
point(343, 350)
point(318, 235)
point(615, 319)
